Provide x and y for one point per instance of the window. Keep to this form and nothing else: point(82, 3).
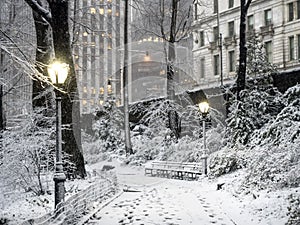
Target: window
point(291, 11)
point(268, 49)
point(231, 29)
point(250, 23)
point(230, 3)
point(298, 9)
point(268, 17)
point(202, 68)
point(298, 37)
point(196, 10)
point(216, 33)
point(291, 48)
point(215, 6)
point(231, 57)
point(216, 64)
point(201, 38)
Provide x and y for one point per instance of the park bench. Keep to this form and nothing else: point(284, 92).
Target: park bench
point(176, 170)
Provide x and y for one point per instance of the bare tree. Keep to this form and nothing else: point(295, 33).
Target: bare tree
point(167, 19)
point(128, 147)
point(241, 79)
point(171, 21)
point(58, 18)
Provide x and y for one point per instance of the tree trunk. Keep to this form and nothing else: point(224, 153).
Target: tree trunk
point(172, 114)
point(171, 52)
point(71, 134)
point(43, 53)
point(241, 79)
point(128, 147)
point(170, 71)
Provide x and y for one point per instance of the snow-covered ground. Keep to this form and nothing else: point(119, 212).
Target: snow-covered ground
point(153, 200)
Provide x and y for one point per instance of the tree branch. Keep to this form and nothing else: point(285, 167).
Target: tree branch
point(37, 7)
point(248, 4)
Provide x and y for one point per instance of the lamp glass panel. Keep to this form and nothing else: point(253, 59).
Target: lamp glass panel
point(203, 107)
point(58, 70)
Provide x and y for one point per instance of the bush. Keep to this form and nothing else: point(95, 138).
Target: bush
point(225, 161)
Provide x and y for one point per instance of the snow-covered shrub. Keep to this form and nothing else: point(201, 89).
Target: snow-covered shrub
point(153, 140)
point(28, 151)
point(294, 209)
point(259, 69)
point(273, 167)
point(275, 154)
point(225, 161)
point(156, 114)
point(108, 129)
point(285, 128)
point(255, 108)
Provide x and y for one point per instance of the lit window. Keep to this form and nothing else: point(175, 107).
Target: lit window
point(101, 11)
point(93, 11)
point(268, 17)
point(291, 48)
point(109, 11)
point(101, 91)
point(85, 34)
point(216, 64)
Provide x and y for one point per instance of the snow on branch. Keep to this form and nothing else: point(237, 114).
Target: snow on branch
point(36, 6)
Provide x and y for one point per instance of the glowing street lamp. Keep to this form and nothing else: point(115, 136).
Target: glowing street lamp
point(204, 108)
point(58, 73)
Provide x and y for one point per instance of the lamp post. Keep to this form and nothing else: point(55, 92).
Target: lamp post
point(58, 73)
point(204, 108)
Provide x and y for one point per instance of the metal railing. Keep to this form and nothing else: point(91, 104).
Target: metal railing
point(78, 205)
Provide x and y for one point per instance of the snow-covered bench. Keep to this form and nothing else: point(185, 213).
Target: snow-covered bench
point(179, 170)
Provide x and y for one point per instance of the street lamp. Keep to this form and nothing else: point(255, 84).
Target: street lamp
point(58, 73)
point(204, 108)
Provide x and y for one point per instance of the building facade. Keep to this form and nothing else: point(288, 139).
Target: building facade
point(216, 37)
point(97, 41)
point(16, 45)
point(99, 54)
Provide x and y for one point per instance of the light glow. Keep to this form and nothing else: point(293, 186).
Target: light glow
point(58, 72)
point(204, 107)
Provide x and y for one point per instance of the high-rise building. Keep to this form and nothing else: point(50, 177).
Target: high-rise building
point(16, 46)
point(97, 41)
point(276, 23)
point(99, 55)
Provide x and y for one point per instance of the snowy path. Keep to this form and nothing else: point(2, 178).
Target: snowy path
point(159, 201)
point(170, 202)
